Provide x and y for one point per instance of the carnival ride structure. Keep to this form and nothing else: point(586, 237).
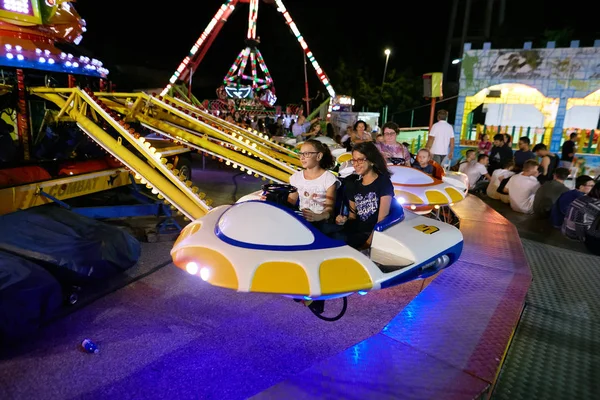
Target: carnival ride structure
point(118, 124)
point(238, 83)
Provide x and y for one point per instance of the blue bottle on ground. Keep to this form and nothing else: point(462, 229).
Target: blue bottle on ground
point(89, 346)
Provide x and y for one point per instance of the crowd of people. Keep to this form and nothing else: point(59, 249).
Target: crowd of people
point(533, 181)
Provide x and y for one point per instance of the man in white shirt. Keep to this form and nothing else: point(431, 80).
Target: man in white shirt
point(470, 159)
point(476, 170)
point(497, 177)
point(441, 138)
point(522, 187)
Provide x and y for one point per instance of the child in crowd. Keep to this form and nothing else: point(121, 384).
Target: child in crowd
point(422, 164)
point(485, 146)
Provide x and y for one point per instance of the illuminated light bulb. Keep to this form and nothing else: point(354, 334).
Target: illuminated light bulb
point(38, 51)
point(228, 162)
point(8, 47)
point(204, 274)
point(413, 207)
point(191, 268)
point(75, 64)
point(249, 172)
point(154, 191)
point(437, 207)
point(157, 155)
point(50, 61)
point(138, 177)
point(9, 56)
point(143, 181)
point(20, 57)
point(42, 60)
point(18, 48)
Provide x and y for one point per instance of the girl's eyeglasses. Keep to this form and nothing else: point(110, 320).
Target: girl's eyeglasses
point(358, 161)
point(307, 154)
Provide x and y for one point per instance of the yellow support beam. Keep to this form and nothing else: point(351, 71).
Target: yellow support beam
point(191, 209)
point(205, 143)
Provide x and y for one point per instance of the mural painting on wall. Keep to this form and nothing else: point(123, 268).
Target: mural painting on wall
point(578, 68)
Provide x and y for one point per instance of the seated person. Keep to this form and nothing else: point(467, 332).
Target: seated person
point(498, 176)
point(583, 185)
point(523, 154)
point(470, 159)
point(422, 164)
point(370, 197)
point(521, 188)
point(549, 162)
point(477, 170)
point(549, 192)
point(390, 148)
point(316, 185)
point(500, 154)
point(581, 213)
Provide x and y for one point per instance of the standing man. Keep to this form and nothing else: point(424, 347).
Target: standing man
point(441, 138)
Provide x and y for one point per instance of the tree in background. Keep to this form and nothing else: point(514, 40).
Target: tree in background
point(401, 90)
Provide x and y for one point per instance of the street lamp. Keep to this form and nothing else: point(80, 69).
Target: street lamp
point(387, 53)
point(456, 61)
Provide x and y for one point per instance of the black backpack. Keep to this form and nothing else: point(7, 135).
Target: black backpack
point(592, 237)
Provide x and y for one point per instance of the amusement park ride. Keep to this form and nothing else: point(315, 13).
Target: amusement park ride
point(252, 246)
point(248, 81)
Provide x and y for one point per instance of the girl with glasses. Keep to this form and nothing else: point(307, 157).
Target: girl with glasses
point(369, 197)
point(316, 185)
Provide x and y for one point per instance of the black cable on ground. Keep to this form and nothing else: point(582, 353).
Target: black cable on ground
point(337, 317)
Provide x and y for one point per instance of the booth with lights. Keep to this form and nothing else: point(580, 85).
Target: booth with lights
point(542, 93)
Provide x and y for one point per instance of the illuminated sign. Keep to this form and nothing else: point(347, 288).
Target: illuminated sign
point(242, 92)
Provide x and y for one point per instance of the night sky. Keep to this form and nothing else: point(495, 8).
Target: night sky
point(358, 32)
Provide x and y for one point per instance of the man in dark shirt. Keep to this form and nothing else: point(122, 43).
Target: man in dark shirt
point(500, 154)
point(548, 164)
point(568, 151)
point(583, 185)
point(523, 154)
point(550, 191)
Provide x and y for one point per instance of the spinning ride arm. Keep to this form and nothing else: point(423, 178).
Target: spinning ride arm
point(199, 49)
point(320, 73)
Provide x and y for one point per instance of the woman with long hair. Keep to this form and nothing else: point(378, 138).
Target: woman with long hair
point(369, 197)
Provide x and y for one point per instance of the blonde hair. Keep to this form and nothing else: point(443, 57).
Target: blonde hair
point(424, 150)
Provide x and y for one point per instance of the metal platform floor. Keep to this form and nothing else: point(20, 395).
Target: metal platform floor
point(555, 353)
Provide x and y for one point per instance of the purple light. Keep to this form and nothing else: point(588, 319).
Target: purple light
point(18, 6)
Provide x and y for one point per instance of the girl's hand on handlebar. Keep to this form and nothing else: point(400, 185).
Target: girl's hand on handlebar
point(341, 220)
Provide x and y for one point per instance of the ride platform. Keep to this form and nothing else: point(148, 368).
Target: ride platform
point(167, 334)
